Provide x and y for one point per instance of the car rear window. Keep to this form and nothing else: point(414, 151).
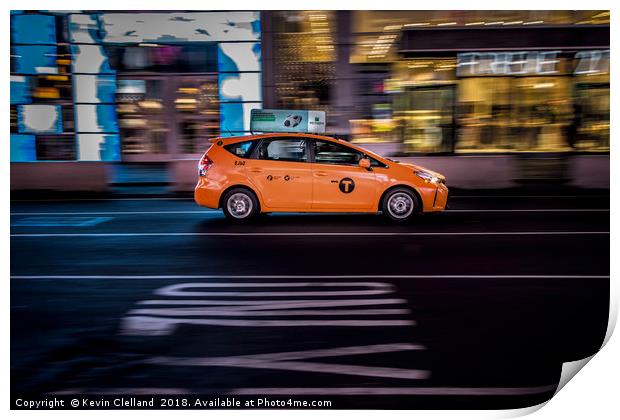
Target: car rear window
point(242, 150)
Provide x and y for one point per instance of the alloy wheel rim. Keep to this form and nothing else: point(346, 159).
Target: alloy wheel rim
point(239, 205)
point(400, 205)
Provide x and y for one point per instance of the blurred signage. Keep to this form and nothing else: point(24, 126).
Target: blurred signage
point(507, 63)
point(287, 121)
point(592, 62)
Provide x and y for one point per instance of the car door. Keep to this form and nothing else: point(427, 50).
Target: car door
point(339, 183)
point(281, 171)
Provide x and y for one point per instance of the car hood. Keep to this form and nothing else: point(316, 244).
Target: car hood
point(422, 168)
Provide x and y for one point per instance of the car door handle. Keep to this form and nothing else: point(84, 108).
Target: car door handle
point(256, 170)
point(321, 173)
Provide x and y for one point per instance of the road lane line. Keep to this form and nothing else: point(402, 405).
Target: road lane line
point(260, 312)
point(368, 391)
point(299, 234)
point(141, 325)
point(204, 212)
point(219, 213)
point(252, 305)
point(324, 391)
point(528, 196)
point(281, 276)
point(313, 367)
point(338, 351)
point(45, 200)
point(524, 210)
point(297, 361)
point(365, 288)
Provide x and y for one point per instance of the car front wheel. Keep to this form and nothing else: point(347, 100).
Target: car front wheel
point(240, 204)
point(400, 204)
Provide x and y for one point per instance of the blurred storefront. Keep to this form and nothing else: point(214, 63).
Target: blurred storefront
point(450, 81)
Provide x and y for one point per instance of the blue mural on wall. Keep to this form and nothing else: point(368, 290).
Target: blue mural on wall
point(20, 90)
point(239, 84)
point(34, 59)
point(99, 147)
point(23, 148)
point(235, 33)
point(39, 119)
point(33, 29)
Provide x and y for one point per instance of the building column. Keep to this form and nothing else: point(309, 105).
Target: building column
point(343, 90)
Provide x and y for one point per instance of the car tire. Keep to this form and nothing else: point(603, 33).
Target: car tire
point(240, 205)
point(400, 205)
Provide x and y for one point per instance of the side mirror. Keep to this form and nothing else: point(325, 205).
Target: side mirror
point(365, 163)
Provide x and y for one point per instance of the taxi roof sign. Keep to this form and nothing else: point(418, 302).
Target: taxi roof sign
point(287, 121)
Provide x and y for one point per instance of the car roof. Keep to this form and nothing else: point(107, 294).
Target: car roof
point(236, 139)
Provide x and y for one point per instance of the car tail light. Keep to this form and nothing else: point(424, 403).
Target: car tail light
point(204, 165)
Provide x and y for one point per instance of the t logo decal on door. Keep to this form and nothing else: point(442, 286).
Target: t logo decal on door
point(346, 185)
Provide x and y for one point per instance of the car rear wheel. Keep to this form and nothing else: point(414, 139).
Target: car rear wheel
point(400, 204)
point(240, 204)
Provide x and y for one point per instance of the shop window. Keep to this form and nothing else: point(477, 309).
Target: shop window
point(140, 110)
point(55, 147)
point(200, 58)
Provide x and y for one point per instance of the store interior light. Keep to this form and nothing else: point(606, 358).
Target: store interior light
point(418, 24)
point(475, 23)
point(516, 22)
point(600, 15)
point(150, 104)
point(446, 24)
point(543, 85)
point(534, 22)
point(188, 90)
point(495, 23)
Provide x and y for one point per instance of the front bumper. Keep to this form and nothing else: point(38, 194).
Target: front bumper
point(441, 198)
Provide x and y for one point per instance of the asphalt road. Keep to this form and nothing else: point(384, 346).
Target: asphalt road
point(476, 307)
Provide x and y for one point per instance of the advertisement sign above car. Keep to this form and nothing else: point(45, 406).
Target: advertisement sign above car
point(287, 121)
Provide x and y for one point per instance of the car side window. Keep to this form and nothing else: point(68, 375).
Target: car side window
point(335, 154)
point(242, 150)
point(286, 150)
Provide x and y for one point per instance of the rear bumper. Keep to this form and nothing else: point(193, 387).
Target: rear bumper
point(207, 193)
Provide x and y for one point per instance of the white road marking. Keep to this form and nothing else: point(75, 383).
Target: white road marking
point(251, 305)
point(158, 326)
point(261, 312)
point(299, 234)
point(55, 221)
point(525, 210)
point(280, 276)
point(45, 200)
point(182, 289)
point(218, 212)
point(325, 391)
point(292, 361)
point(396, 391)
point(203, 212)
point(527, 196)
point(153, 321)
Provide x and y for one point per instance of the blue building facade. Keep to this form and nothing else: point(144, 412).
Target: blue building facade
point(130, 86)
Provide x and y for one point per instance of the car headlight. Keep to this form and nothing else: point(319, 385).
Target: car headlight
point(427, 177)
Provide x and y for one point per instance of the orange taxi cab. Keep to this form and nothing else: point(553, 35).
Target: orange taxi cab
point(299, 172)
